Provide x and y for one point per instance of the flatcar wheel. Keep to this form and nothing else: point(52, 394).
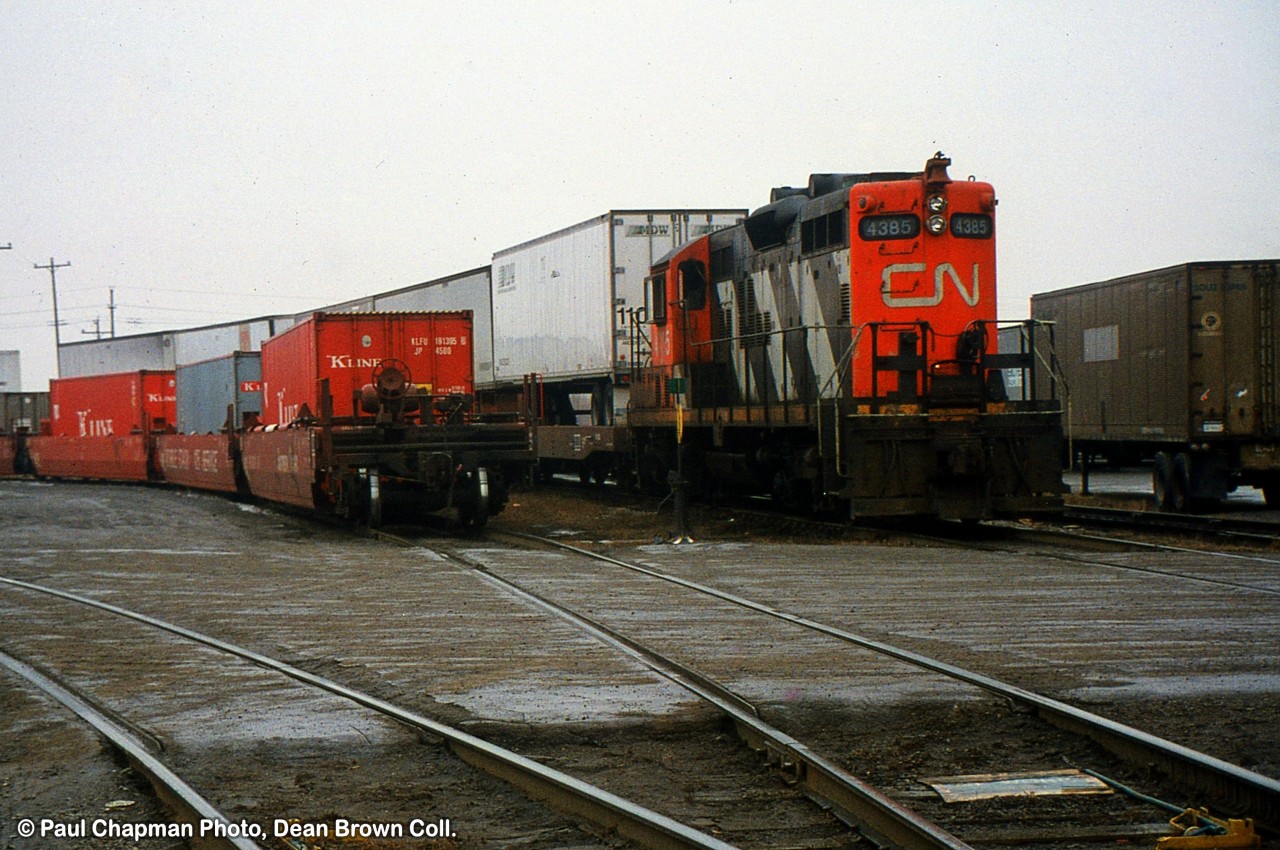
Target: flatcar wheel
point(473, 512)
point(375, 501)
point(1162, 481)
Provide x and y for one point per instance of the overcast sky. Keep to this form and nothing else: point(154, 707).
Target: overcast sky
point(212, 162)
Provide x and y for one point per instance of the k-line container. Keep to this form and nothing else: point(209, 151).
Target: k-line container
point(219, 392)
point(112, 405)
point(102, 426)
point(345, 349)
point(563, 303)
point(467, 290)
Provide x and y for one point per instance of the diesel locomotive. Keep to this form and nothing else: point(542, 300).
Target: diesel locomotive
point(837, 349)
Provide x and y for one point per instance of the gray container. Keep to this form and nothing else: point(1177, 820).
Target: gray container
point(219, 392)
point(135, 353)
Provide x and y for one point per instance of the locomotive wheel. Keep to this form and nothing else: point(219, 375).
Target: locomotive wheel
point(655, 472)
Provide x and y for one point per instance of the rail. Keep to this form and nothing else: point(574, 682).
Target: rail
point(857, 803)
point(548, 785)
point(1253, 794)
point(192, 808)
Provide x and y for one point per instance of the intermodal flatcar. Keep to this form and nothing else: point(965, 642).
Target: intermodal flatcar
point(372, 415)
point(104, 426)
point(367, 416)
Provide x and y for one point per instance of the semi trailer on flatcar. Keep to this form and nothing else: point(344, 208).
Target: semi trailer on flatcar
point(1178, 366)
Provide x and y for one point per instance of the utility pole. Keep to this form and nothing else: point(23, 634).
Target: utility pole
point(57, 333)
point(111, 308)
point(97, 328)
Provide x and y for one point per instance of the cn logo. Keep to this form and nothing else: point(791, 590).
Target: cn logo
point(970, 296)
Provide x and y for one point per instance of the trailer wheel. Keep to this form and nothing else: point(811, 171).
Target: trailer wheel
point(1271, 494)
point(1182, 489)
point(1162, 478)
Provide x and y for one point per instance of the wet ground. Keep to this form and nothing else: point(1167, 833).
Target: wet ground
point(1193, 663)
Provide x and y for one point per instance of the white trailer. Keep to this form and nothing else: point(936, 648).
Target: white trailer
point(564, 306)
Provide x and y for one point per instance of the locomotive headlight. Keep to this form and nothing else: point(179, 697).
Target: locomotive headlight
point(936, 224)
point(936, 203)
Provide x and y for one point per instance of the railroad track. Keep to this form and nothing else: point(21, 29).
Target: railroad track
point(428, 575)
point(1238, 529)
point(1233, 788)
point(877, 816)
point(608, 813)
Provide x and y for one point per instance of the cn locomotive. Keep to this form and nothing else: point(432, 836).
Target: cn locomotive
point(837, 350)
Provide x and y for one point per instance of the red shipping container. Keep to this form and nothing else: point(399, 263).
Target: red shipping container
point(346, 348)
point(112, 405)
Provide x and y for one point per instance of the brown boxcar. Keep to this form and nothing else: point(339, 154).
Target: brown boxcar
point(23, 412)
point(1178, 365)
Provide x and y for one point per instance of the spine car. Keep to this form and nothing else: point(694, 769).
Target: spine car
point(838, 350)
point(365, 416)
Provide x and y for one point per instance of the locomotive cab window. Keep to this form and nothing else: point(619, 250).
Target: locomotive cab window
point(722, 263)
point(693, 284)
point(657, 290)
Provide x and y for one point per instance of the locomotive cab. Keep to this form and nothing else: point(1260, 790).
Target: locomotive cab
point(680, 307)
